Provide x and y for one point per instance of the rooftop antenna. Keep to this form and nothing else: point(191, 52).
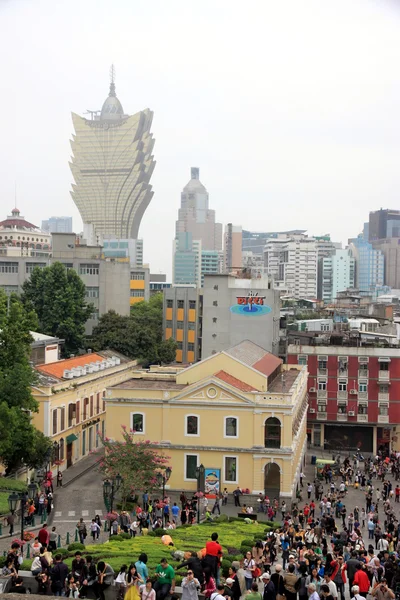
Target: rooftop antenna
point(112, 80)
point(15, 195)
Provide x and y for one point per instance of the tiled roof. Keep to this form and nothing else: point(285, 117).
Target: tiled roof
point(56, 369)
point(237, 383)
point(254, 356)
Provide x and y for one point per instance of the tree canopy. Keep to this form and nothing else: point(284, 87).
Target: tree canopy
point(139, 335)
point(58, 297)
point(135, 461)
point(20, 442)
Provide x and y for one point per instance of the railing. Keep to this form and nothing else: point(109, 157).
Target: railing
point(342, 395)
point(383, 376)
point(322, 416)
point(362, 395)
point(362, 418)
point(383, 418)
point(322, 394)
point(322, 371)
point(341, 417)
point(383, 396)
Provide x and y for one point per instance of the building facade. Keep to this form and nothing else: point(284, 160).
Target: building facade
point(186, 261)
point(139, 285)
point(158, 283)
point(353, 392)
point(71, 398)
point(58, 225)
point(18, 237)
point(236, 309)
point(336, 273)
point(233, 248)
point(182, 321)
point(383, 224)
point(240, 413)
point(390, 249)
point(370, 267)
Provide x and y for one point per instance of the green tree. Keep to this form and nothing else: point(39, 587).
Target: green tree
point(20, 442)
point(135, 461)
point(58, 296)
point(140, 335)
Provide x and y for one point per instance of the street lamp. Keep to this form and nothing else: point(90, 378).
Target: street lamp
point(162, 478)
point(109, 490)
point(199, 477)
point(13, 500)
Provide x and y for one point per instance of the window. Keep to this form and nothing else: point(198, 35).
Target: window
point(231, 427)
point(54, 422)
point(77, 411)
point(384, 410)
point(137, 293)
point(362, 386)
point(342, 387)
point(342, 407)
point(383, 388)
point(192, 304)
point(215, 302)
point(363, 370)
point(97, 403)
point(170, 303)
point(138, 422)
point(190, 466)
point(179, 345)
point(137, 276)
point(71, 413)
point(321, 407)
point(191, 326)
point(30, 267)
point(168, 324)
point(61, 450)
point(104, 402)
point(322, 385)
point(85, 408)
point(92, 292)
point(91, 406)
point(362, 409)
point(230, 469)
point(68, 266)
point(179, 324)
point(62, 418)
point(383, 366)
point(190, 347)
point(272, 433)
point(95, 315)
point(343, 365)
point(302, 359)
point(10, 289)
point(181, 304)
point(8, 267)
point(322, 362)
point(192, 425)
point(88, 269)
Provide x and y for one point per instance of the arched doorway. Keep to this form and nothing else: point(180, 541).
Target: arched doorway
point(272, 433)
point(272, 480)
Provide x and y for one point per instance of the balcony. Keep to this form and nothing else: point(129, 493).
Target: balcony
point(341, 417)
point(383, 418)
point(322, 394)
point(362, 395)
point(322, 416)
point(362, 418)
point(322, 371)
point(383, 396)
point(363, 374)
point(342, 395)
point(383, 376)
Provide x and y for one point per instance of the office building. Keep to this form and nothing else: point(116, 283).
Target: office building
point(71, 400)
point(233, 242)
point(370, 267)
point(139, 285)
point(383, 224)
point(353, 389)
point(182, 321)
point(186, 263)
point(58, 225)
point(158, 283)
point(292, 262)
point(390, 249)
point(240, 413)
point(124, 250)
point(210, 263)
point(336, 273)
point(112, 164)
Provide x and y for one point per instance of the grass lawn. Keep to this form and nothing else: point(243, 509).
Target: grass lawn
point(4, 510)
point(234, 536)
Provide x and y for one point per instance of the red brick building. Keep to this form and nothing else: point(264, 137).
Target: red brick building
point(353, 391)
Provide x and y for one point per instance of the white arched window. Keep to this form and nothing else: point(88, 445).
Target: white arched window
point(192, 425)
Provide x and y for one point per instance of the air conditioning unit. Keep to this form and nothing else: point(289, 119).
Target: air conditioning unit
point(83, 370)
point(95, 367)
point(312, 390)
point(117, 360)
point(312, 410)
point(353, 392)
point(90, 368)
point(351, 413)
point(77, 371)
point(68, 374)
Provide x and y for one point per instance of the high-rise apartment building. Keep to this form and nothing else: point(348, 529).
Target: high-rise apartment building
point(370, 266)
point(336, 273)
point(112, 164)
point(233, 260)
point(383, 224)
point(292, 261)
point(57, 225)
point(390, 248)
point(186, 265)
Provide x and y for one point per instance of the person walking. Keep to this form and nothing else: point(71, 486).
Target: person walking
point(236, 494)
point(10, 521)
point(94, 530)
point(82, 531)
point(59, 479)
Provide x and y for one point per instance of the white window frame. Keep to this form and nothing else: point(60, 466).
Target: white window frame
point(224, 479)
point(184, 465)
point(343, 383)
point(231, 437)
point(198, 425)
point(63, 406)
point(302, 357)
point(363, 383)
point(323, 381)
point(136, 412)
point(384, 405)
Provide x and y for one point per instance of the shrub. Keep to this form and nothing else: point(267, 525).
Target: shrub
point(76, 546)
point(247, 543)
point(151, 534)
point(62, 551)
point(160, 532)
point(221, 519)
point(225, 567)
point(2, 561)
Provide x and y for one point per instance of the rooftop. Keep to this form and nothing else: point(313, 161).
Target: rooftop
point(149, 384)
point(233, 381)
point(283, 382)
point(254, 356)
point(56, 369)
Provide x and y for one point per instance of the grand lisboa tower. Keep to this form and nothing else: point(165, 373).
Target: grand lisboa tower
point(112, 164)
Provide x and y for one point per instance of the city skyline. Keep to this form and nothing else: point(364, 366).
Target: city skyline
point(287, 138)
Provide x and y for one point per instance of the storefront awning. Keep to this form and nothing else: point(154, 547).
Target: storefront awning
point(71, 438)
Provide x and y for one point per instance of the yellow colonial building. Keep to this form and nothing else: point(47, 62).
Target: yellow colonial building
point(71, 397)
point(240, 413)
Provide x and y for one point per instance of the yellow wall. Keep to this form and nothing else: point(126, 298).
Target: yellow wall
point(168, 314)
point(168, 333)
point(136, 299)
point(180, 314)
point(190, 356)
point(191, 336)
point(192, 315)
point(137, 284)
point(179, 335)
point(179, 356)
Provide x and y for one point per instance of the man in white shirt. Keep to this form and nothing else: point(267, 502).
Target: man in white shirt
point(383, 544)
point(312, 591)
point(331, 585)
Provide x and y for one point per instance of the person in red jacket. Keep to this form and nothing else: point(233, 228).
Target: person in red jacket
point(43, 535)
point(362, 580)
point(213, 555)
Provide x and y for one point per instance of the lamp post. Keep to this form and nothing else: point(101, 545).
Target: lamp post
point(199, 476)
point(162, 478)
point(13, 500)
point(109, 489)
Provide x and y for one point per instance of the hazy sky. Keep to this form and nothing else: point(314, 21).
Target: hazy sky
point(289, 107)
